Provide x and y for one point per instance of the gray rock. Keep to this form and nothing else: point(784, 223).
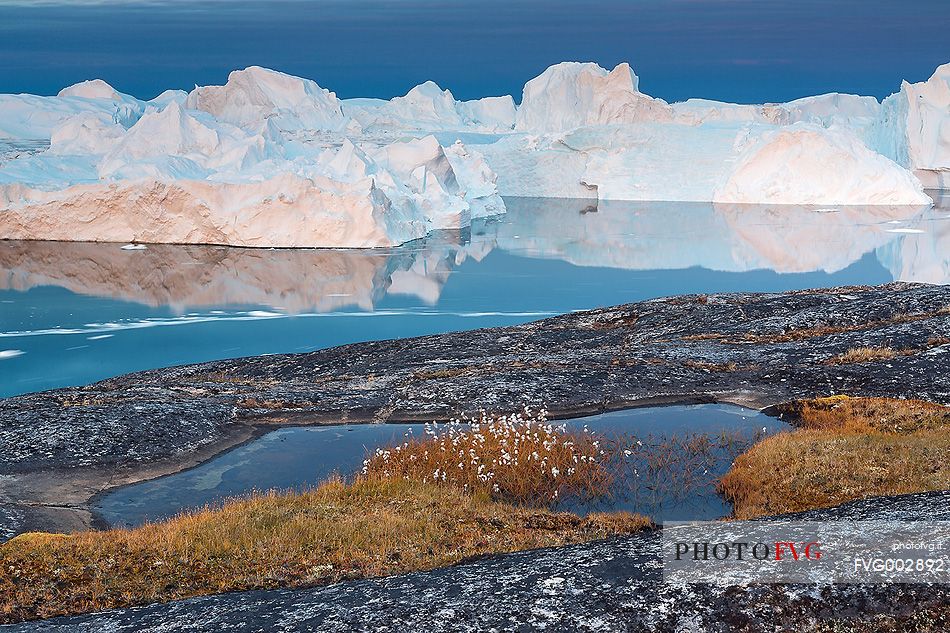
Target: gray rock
point(756, 349)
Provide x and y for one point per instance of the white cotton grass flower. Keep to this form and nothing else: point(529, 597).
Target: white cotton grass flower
point(517, 457)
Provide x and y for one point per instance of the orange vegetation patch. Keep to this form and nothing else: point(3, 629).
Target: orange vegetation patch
point(845, 449)
point(371, 527)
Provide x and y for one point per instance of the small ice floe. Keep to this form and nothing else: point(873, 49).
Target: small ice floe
point(11, 353)
point(904, 230)
point(263, 314)
point(99, 336)
point(134, 247)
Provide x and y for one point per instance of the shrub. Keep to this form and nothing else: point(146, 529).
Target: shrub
point(519, 458)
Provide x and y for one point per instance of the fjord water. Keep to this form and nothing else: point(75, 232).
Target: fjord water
point(74, 313)
point(294, 458)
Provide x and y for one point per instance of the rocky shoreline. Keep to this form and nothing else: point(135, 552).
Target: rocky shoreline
point(612, 585)
point(59, 448)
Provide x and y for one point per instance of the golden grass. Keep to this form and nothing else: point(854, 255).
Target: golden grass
point(372, 527)
point(845, 449)
point(862, 355)
point(524, 460)
point(715, 367)
point(869, 354)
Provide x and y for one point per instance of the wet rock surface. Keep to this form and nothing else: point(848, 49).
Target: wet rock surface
point(613, 585)
point(752, 349)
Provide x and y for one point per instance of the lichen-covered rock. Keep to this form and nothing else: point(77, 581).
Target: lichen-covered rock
point(757, 349)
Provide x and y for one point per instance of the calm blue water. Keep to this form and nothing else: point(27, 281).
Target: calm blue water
point(292, 458)
point(71, 314)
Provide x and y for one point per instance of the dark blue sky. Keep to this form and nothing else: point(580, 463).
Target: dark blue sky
point(736, 50)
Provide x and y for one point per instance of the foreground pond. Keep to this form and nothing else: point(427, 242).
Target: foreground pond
point(681, 487)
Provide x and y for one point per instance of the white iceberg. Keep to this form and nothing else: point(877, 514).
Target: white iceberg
point(914, 129)
point(272, 160)
point(827, 109)
point(184, 176)
point(92, 89)
point(85, 133)
point(256, 94)
point(169, 96)
point(805, 164)
point(571, 95)
point(430, 108)
point(33, 118)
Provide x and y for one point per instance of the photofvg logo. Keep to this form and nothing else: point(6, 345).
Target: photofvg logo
point(744, 550)
point(741, 552)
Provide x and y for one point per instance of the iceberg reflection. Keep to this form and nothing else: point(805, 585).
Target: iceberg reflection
point(913, 243)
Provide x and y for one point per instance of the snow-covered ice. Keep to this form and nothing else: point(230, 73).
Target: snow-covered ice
point(272, 160)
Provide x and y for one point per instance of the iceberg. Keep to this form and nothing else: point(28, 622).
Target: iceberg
point(805, 164)
point(272, 160)
point(914, 129)
point(571, 95)
point(428, 107)
point(217, 175)
point(33, 118)
point(256, 94)
point(167, 97)
point(826, 110)
point(91, 89)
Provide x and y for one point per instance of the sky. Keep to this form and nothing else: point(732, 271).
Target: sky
point(747, 51)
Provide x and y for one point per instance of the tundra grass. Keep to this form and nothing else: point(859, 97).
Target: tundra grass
point(370, 527)
point(844, 449)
